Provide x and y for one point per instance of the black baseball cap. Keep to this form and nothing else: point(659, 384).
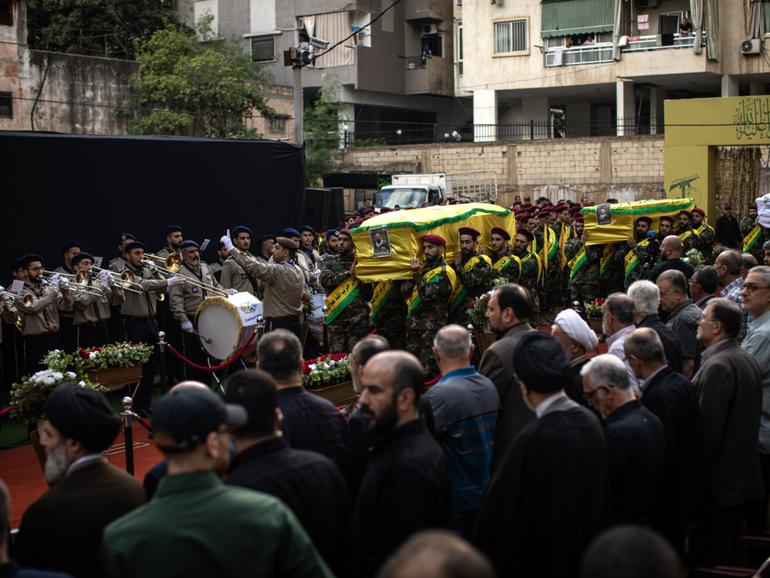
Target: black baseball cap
point(183, 419)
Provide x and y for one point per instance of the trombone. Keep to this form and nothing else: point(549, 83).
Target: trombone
point(11, 298)
point(72, 283)
point(171, 263)
point(168, 273)
point(122, 280)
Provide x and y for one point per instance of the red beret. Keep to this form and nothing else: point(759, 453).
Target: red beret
point(683, 212)
point(645, 219)
point(580, 219)
point(434, 240)
point(560, 208)
point(502, 232)
point(667, 219)
point(545, 211)
point(700, 211)
point(469, 231)
point(346, 232)
point(525, 233)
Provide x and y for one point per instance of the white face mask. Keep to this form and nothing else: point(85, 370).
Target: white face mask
point(56, 464)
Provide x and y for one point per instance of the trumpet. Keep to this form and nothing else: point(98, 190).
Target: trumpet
point(72, 283)
point(167, 273)
point(122, 280)
point(171, 263)
point(10, 299)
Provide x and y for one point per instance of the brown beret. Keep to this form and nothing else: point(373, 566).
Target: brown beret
point(287, 243)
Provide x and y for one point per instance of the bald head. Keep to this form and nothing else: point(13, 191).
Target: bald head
point(672, 247)
point(188, 384)
point(396, 369)
point(454, 342)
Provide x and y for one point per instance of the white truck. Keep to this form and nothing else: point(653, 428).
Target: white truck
point(412, 191)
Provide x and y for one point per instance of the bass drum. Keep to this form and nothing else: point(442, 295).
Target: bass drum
point(225, 324)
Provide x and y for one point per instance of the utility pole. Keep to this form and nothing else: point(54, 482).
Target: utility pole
point(299, 111)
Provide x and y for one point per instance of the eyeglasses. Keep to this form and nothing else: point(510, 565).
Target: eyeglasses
point(751, 287)
point(587, 395)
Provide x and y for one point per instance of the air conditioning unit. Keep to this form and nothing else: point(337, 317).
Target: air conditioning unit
point(429, 29)
point(751, 46)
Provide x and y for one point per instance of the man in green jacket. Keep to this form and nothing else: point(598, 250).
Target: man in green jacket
point(196, 526)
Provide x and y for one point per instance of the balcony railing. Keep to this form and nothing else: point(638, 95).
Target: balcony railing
point(574, 55)
point(598, 53)
point(415, 62)
point(653, 42)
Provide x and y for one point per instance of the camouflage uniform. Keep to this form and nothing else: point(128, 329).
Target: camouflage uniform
point(612, 279)
point(747, 225)
point(645, 251)
point(689, 241)
point(529, 278)
point(551, 298)
point(585, 284)
point(430, 315)
point(476, 282)
point(352, 323)
point(390, 320)
point(509, 271)
point(706, 241)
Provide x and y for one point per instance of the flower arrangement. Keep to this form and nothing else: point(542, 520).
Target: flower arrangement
point(307, 303)
point(29, 396)
point(593, 308)
point(478, 307)
point(694, 257)
point(113, 355)
point(326, 370)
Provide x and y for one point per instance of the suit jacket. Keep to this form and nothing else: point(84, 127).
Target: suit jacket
point(514, 415)
point(728, 385)
point(671, 346)
point(549, 497)
point(671, 397)
point(636, 450)
point(63, 529)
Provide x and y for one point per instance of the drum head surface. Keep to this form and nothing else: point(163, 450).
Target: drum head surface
point(219, 324)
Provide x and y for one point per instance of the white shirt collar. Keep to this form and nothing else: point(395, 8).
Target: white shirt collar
point(544, 405)
point(619, 334)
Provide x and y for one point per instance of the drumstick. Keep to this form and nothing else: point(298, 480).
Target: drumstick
point(202, 338)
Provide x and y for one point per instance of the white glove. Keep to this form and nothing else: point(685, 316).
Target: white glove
point(227, 241)
point(174, 281)
point(187, 327)
point(231, 291)
point(104, 278)
point(2, 288)
point(56, 283)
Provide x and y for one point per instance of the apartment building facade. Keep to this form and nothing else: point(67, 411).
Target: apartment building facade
point(560, 68)
point(397, 73)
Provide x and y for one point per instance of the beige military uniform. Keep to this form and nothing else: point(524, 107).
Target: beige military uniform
point(42, 316)
point(184, 299)
point(234, 276)
point(117, 265)
point(165, 252)
point(94, 308)
point(284, 284)
point(145, 304)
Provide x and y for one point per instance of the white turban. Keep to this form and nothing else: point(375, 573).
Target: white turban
point(763, 210)
point(577, 329)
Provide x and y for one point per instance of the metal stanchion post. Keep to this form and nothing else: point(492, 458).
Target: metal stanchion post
point(128, 433)
point(162, 362)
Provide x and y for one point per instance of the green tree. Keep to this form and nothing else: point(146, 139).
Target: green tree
point(95, 27)
point(322, 136)
point(193, 83)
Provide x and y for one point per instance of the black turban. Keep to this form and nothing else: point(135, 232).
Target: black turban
point(83, 415)
point(540, 363)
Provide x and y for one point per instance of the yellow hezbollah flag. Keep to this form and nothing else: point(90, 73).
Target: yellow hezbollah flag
point(612, 223)
point(386, 244)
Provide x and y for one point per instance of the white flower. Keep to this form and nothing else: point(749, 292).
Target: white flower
point(312, 366)
point(82, 383)
point(70, 375)
point(92, 355)
point(48, 381)
point(58, 376)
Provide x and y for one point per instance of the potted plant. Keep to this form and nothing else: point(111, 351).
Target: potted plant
point(113, 365)
point(329, 377)
point(593, 312)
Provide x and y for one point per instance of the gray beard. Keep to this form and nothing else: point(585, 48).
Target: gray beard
point(56, 464)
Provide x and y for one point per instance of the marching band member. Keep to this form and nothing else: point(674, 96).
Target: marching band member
point(138, 312)
point(66, 314)
point(40, 324)
point(174, 236)
point(233, 275)
point(283, 280)
point(92, 309)
point(184, 301)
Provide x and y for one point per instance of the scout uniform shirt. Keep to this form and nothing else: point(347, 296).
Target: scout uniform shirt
point(185, 299)
point(145, 304)
point(90, 308)
point(234, 277)
point(284, 284)
point(42, 316)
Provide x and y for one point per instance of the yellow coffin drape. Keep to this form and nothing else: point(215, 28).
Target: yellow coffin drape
point(620, 218)
point(386, 244)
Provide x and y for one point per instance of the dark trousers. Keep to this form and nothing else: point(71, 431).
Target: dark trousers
point(168, 324)
point(66, 333)
point(716, 533)
point(92, 334)
point(758, 512)
point(193, 351)
point(115, 324)
point(289, 323)
point(10, 366)
point(144, 330)
point(35, 349)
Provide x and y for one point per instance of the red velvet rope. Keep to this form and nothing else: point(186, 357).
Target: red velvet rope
point(226, 363)
point(142, 422)
point(8, 409)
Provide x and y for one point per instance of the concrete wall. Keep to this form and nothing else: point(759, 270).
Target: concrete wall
point(629, 168)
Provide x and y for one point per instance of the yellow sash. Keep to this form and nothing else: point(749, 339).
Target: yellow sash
point(383, 292)
point(631, 260)
point(563, 237)
point(576, 263)
point(751, 239)
point(604, 263)
point(506, 260)
point(460, 290)
point(340, 298)
point(431, 276)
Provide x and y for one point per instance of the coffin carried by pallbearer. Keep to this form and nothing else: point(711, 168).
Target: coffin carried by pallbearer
point(615, 223)
point(387, 243)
